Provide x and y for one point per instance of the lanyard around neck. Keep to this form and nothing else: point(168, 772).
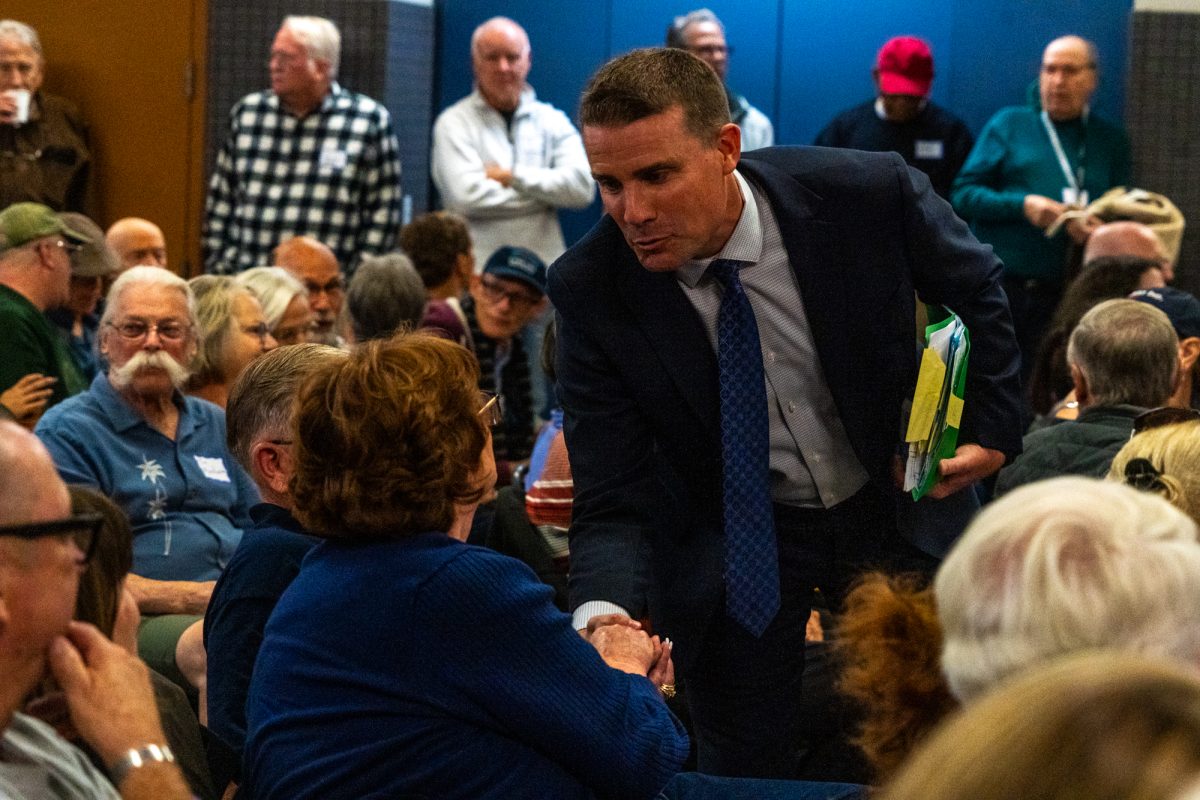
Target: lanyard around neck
point(1074, 179)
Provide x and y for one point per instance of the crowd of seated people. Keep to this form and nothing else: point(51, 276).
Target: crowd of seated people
point(322, 530)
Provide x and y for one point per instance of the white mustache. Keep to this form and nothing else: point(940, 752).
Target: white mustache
point(121, 377)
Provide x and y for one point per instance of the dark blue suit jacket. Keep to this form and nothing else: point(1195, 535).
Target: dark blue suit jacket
point(637, 376)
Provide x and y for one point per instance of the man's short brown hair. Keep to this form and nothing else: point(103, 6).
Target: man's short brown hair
point(434, 241)
point(388, 441)
point(650, 81)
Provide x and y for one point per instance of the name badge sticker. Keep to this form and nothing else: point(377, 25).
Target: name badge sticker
point(213, 468)
point(333, 159)
point(929, 148)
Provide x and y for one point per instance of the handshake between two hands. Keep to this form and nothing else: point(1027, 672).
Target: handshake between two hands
point(624, 644)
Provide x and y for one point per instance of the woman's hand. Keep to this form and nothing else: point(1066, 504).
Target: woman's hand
point(625, 648)
point(27, 397)
point(662, 672)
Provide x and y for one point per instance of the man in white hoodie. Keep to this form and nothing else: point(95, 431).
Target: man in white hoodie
point(504, 160)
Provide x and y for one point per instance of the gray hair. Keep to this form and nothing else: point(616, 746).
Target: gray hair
point(320, 38)
point(275, 289)
point(1065, 565)
point(1127, 351)
point(478, 32)
point(385, 295)
point(215, 295)
point(11, 29)
point(679, 26)
point(260, 404)
point(148, 276)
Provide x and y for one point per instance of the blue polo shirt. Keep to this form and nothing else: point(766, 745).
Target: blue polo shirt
point(187, 500)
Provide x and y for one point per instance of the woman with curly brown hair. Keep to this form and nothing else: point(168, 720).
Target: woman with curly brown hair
point(403, 662)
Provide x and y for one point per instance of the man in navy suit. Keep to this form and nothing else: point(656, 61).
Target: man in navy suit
point(830, 246)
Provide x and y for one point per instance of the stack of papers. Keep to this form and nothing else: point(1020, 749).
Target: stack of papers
point(937, 404)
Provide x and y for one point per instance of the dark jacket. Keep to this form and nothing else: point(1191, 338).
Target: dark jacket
point(1085, 446)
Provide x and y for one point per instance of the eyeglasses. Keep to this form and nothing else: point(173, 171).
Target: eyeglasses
point(83, 529)
point(71, 247)
point(1158, 417)
point(261, 331)
point(495, 292)
point(135, 329)
point(296, 334)
point(492, 409)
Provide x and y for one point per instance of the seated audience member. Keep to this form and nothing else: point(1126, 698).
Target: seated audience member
point(1124, 358)
point(391, 459)
point(1164, 459)
point(35, 247)
point(76, 320)
point(384, 296)
point(889, 644)
point(404, 708)
point(315, 265)
point(509, 294)
point(284, 302)
point(1103, 279)
point(232, 331)
point(1129, 239)
point(259, 432)
point(43, 551)
point(1059, 566)
point(1091, 726)
point(1065, 565)
point(137, 243)
point(439, 245)
point(104, 601)
point(1183, 310)
point(160, 455)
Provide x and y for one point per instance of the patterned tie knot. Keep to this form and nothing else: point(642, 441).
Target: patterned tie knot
point(725, 271)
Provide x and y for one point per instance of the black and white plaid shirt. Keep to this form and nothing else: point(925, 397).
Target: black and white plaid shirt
point(334, 175)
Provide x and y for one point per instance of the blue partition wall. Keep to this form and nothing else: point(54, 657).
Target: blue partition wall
point(801, 61)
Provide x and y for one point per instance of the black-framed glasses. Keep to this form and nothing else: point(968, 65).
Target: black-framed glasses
point(492, 408)
point(136, 329)
point(712, 50)
point(1166, 415)
point(496, 292)
point(71, 247)
point(84, 530)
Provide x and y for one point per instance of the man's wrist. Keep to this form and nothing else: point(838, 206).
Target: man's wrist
point(594, 608)
point(137, 757)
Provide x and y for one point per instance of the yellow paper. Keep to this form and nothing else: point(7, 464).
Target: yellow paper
point(926, 396)
point(954, 412)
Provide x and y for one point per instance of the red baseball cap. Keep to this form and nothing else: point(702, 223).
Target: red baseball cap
point(905, 66)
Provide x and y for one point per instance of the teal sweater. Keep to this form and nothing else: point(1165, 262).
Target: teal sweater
point(1012, 158)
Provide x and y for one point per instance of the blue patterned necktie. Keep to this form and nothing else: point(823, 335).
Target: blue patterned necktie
point(751, 553)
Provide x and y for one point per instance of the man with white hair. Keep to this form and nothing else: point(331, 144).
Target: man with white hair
point(1066, 565)
point(161, 456)
point(305, 157)
point(43, 138)
point(1124, 359)
point(503, 159)
point(702, 34)
point(43, 551)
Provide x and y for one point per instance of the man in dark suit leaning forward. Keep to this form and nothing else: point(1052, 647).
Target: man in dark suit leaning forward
point(733, 401)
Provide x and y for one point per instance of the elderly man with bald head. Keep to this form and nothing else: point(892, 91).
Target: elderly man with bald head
point(505, 160)
point(1030, 165)
point(1128, 238)
point(137, 242)
point(315, 265)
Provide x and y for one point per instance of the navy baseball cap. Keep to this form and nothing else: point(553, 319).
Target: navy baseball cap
point(519, 264)
point(1181, 308)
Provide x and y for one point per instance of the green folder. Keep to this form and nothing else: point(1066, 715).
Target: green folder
point(937, 402)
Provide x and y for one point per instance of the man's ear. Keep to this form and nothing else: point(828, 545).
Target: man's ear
point(1189, 351)
point(272, 465)
point(729, 142)
point(1079, 380)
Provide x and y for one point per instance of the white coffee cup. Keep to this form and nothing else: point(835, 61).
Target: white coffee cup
point(22, 97)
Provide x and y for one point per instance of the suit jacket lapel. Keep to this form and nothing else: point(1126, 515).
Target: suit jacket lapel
point(813, 247)
point(676, 333)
